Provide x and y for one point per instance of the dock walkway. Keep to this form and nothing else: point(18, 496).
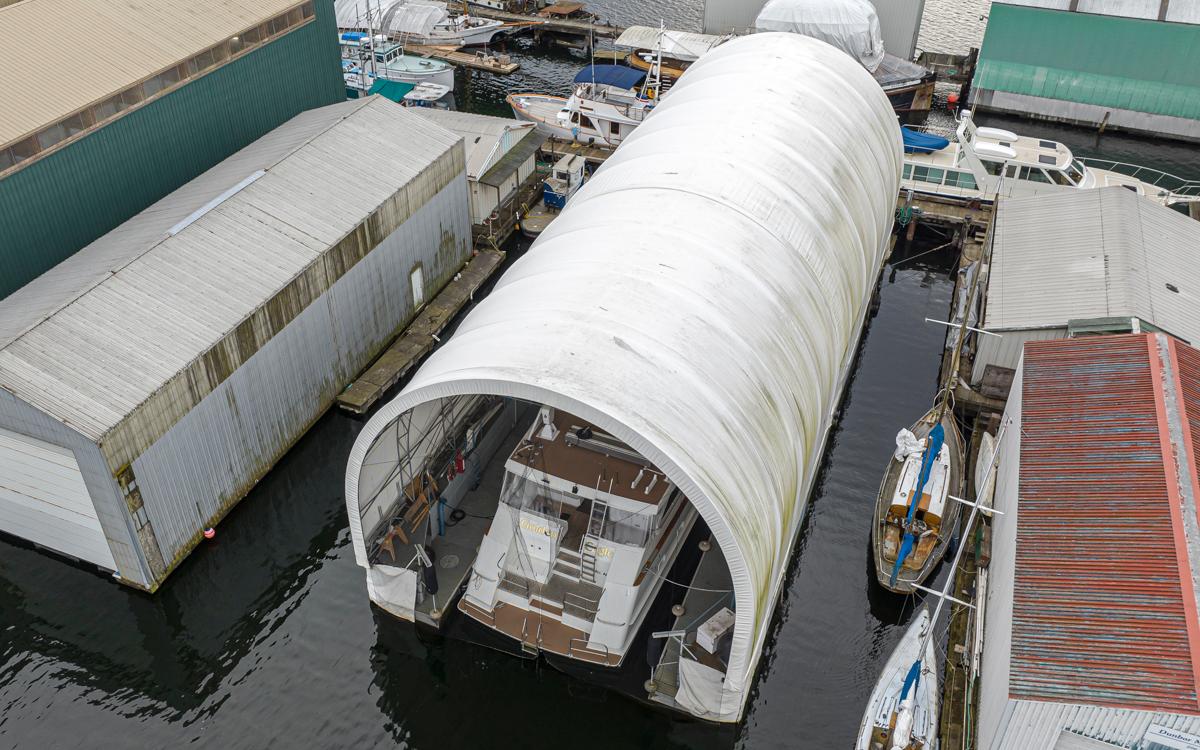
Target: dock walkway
point(475, 60)
point(557, 147)
point(418, 339)
point(572, 26)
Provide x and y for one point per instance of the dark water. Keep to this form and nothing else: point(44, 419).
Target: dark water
point(264, 638)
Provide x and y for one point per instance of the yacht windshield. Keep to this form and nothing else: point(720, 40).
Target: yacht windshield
point(1076, 171)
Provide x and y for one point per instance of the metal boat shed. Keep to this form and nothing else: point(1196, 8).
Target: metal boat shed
point(147, 382)
point(1081, 261)
point(1091, 638)
point(501, 155)
point(700, 298)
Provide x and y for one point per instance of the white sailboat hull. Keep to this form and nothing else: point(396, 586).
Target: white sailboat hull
point(886, 695)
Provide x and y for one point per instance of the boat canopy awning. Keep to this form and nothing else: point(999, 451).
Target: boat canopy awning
point(611, 75)
point(394, 90)
point(680, 45)
point(700, 298)
point(514, 158)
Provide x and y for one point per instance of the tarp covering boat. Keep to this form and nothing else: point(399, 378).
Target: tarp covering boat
point(850, 25)
point(916, 142)
point(393, 17)
point(678, 45)
point(611, 75)
point(700, 299)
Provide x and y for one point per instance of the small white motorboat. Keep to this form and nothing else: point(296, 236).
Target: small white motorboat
point(902, 713)
point(607, 103)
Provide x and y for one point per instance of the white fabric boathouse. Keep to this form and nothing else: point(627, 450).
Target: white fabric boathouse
point(700, 299)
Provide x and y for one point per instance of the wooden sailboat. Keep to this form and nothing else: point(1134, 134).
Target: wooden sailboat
point(902, 713)
point(914, 516)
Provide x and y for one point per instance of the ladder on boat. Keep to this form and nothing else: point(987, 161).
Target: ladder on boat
point(591, 541)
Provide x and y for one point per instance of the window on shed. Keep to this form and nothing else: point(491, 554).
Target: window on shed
point(22, 150)
point(252, 36)
point(278, 24)
point(6, 159)
point(417, 279)
point(294, 16)
point(307, 10)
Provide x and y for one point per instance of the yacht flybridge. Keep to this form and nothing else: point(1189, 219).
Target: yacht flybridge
point(981, 163)
point(607, 103)
point(584, 534)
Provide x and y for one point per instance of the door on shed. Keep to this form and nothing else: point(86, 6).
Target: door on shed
point(43, 499)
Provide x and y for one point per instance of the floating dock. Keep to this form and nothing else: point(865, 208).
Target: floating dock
point(418, 339)
point(491, 63)
point(541, 24)
point(556, 147)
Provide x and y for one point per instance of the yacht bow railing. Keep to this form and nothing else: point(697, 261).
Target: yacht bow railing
point(1156, 177)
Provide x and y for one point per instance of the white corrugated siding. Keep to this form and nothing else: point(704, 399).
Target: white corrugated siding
point(1037, 725)
point(232, 437)
point(43, 498)
point(700, 298)
point(1093, 254)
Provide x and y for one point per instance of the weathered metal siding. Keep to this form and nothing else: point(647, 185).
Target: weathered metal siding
point(52, 208)
point(997, 635)
point(1101, 612)
point(1111, 62)
point(1188, 361)
point(1087, 115)
point(19, 417)
point(223, 445)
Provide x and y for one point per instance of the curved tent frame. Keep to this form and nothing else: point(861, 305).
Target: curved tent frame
point(700, 299)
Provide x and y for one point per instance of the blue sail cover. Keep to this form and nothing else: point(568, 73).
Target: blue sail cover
point(911, 679)
point(916, 142)
point(937, 436)
point(612, 75)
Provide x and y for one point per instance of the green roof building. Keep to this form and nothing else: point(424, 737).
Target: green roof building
point(107, 107)
point(1125, 64)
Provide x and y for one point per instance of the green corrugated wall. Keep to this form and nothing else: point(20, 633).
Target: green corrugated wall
point(1122, 63)
point(57, 205)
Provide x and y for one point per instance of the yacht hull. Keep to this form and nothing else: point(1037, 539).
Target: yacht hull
point(886, 694)
point(542, 110)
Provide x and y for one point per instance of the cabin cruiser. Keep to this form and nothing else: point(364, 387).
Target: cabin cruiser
point(369, 59)
point(607, 103)
point(584, 535)
point(981, 163)
point(460, 30)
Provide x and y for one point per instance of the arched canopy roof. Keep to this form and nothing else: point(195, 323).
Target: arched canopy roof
point(700, 298)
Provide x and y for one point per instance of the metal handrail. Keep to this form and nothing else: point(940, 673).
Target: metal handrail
point(571, 648)
point(590, 605)
point(1155, 177)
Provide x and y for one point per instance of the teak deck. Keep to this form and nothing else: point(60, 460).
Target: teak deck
point(531, 629)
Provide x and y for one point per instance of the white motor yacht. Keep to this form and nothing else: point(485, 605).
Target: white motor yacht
point(580, 545)
point(979, 163)
point(607, 103)
point(364, 61)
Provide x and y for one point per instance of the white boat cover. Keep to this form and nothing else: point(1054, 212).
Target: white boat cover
point(700, 298)
point(680, 45)
point(392, 17)
point(850, 25)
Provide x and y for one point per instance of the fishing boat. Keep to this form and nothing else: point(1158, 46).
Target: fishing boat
point(914, 516)
point(902, 713)
point(370, 59)
point(606, 104)
point(565, 179)
point(578, 549)
point(979, 163)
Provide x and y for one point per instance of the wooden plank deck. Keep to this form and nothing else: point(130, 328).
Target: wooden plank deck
point(454, 55)
point(572, 26)
point(407, 350)
point(556, 148)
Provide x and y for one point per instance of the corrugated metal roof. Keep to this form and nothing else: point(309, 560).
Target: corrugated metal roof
point(486, 138)
point(1092, 254)
point(1036, 725)
point(1104, 602)
point(57, 56)
point(91, 339)
point(1123, 63)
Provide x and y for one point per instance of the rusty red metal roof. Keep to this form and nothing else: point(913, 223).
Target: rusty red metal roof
point(1104, 603)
